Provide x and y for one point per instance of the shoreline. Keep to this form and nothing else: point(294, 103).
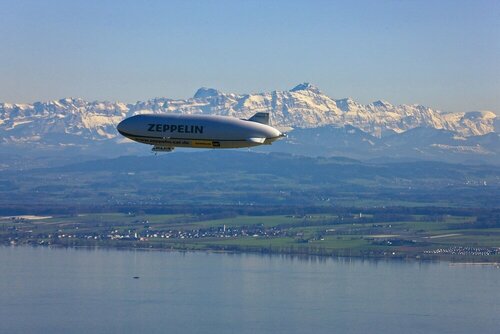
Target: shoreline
point(452, 260)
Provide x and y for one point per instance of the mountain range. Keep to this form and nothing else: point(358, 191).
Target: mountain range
point(315, 123)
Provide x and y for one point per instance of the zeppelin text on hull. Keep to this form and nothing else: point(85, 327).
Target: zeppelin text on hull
point(175, 128)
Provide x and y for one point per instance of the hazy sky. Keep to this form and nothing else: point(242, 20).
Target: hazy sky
point(444, 54)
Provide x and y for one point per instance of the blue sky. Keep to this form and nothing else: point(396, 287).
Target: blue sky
point(444, 54)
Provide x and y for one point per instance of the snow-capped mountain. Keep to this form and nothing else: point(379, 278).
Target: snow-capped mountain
point(75, 122)
point(305, 106)
point(51, 122)
point(301, 107)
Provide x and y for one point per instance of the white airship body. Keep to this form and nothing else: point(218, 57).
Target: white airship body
point(167, 131)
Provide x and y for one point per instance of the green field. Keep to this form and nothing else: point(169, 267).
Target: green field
point(363, 235)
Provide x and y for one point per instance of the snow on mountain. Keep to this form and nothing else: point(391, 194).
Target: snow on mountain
point(473, 123)
point(56, 119)
point(304, 106)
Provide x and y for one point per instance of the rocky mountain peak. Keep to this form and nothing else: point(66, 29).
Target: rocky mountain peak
point(382, 104)
point(479, 114)
point(345, 104)
point(205, 92)
point(306, 86)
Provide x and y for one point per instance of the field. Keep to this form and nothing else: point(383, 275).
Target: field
point(251, 202)
point(362, 235)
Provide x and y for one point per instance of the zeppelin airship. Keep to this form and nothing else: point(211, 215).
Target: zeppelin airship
point(167, 131)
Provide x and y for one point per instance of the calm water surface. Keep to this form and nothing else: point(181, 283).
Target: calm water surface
point(46, 290)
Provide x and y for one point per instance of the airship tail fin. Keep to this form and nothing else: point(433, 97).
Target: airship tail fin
point(260, 117)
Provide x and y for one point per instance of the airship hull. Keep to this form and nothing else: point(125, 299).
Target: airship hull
point(167, 131)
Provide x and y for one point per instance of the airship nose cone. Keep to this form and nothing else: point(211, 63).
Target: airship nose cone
point(123, 126)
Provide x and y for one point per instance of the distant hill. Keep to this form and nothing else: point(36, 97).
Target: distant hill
point(240, 178)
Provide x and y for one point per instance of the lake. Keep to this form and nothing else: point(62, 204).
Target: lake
point(51, 290)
